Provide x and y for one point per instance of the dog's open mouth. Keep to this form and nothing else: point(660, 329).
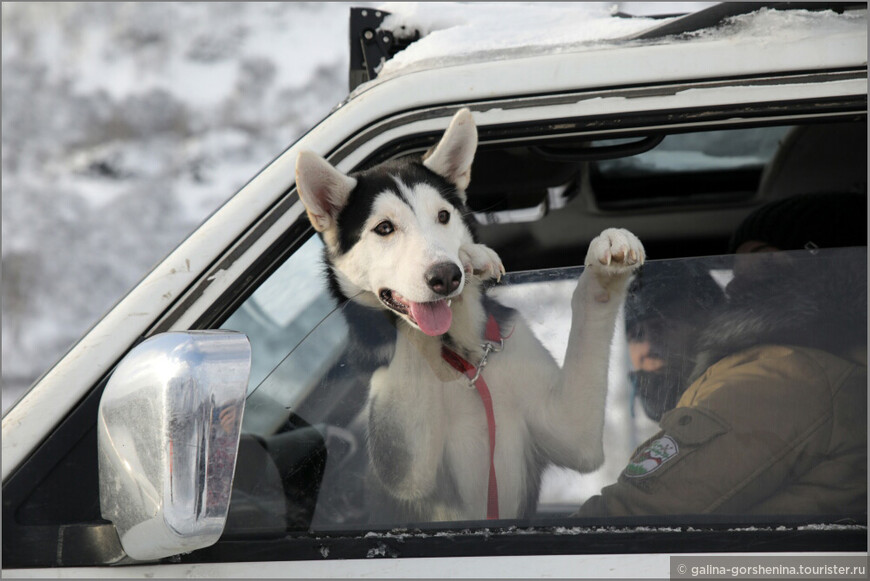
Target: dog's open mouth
point(433, 318)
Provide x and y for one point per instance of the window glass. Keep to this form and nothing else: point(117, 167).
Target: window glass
point(706, 151)
point(737, 387)
point(709, 167)
point(283, 311)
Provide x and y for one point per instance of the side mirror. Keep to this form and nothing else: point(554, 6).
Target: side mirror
point(167, 434)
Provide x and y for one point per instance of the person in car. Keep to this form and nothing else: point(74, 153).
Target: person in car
point(665, 311)
point(774, 418)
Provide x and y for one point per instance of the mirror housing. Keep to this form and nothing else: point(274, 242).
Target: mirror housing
point(168, 435)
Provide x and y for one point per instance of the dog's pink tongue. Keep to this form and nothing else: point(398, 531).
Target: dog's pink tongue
point(433, 318)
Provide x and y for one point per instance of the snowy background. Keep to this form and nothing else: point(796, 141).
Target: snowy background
point(124, 125)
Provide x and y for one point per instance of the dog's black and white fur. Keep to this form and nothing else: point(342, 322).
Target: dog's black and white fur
point(398, 240)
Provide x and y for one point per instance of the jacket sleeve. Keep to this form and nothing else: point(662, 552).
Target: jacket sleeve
point(746, 429)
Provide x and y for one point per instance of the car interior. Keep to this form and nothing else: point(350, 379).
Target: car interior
point(538, 205)
point(576, 189)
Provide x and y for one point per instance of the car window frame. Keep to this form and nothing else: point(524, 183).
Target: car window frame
point(636, 535)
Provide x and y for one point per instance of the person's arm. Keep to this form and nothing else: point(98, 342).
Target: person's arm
point(749, 426)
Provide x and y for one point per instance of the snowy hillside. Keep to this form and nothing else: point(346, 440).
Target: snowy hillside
point(124, 126)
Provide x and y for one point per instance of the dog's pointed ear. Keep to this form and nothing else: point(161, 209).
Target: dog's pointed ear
point(322, 188)
point(453, 155)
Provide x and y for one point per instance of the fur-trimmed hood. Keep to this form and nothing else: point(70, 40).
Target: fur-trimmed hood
point(814, 299)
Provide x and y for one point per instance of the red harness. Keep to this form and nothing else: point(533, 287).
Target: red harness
point(493, 338)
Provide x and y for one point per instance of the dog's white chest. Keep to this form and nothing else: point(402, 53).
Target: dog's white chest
point(460, 417)
point(467, 449)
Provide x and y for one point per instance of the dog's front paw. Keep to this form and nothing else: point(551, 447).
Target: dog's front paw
point(615, 252)
point(481, 261)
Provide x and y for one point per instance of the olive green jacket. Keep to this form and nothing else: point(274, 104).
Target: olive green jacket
point(772, 430)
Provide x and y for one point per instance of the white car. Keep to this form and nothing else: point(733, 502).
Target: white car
point(212, 425)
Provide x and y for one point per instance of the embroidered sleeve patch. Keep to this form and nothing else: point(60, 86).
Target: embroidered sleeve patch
point(652, 457)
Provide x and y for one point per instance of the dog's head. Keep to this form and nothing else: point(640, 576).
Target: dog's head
point(393, 232)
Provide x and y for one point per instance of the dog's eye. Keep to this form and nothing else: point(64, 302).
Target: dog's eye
point(385, 228)
point(443, 216)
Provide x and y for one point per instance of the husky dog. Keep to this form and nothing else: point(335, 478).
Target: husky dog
point(398, 240)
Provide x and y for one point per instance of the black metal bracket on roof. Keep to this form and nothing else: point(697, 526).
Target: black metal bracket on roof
point(710, 17)
point(370, 45)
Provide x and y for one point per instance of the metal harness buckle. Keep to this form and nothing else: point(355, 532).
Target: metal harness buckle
point(487, 349)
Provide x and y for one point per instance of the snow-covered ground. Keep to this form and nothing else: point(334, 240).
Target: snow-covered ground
point(124, 125)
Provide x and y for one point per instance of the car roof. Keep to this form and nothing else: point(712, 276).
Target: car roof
point(728, 39)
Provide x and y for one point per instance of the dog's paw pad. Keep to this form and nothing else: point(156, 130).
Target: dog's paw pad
point(615, 250)
point(481, 261)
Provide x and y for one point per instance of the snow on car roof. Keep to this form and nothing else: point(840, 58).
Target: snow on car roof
point(460, 33)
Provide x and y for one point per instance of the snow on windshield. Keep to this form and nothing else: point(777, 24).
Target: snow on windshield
point(455, 33)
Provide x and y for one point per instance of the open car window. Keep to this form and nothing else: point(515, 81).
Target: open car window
point(765, 354)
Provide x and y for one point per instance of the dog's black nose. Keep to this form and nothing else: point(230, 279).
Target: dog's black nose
point(444, 278)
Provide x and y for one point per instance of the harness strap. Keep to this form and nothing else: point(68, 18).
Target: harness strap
point(493, 335)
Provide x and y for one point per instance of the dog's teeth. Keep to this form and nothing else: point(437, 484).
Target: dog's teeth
point(449, 302)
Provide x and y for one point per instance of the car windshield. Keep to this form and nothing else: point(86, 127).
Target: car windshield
point(736, 388)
